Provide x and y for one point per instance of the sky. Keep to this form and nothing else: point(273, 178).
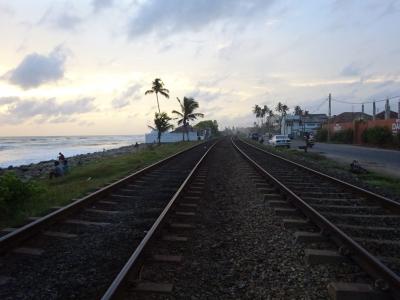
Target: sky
point(82, 67)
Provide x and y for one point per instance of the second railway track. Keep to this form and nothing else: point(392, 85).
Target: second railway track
point(76, 251)
point(365, 226)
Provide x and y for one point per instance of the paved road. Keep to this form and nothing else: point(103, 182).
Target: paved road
point(380, 160)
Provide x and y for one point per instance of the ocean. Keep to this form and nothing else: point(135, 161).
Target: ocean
point(16, 151)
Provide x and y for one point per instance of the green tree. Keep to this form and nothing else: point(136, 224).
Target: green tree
point(158, 88)
point(378, 135)
point(269, 119)
point(257, 111)
point(264, 113)
point(161, 124)
point(298, 111)
point(208, 124)
point(282, 109)
point(188, 106)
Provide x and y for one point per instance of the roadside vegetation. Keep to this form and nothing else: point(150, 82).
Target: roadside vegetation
point(19, 199)
point(379, 183)
point(212, 125)
point(381, 136)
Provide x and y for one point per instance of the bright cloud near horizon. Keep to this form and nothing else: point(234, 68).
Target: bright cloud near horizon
point(82, 67)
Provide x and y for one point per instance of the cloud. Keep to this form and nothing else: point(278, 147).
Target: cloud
point(8, 100)
point(213, 81)
point(99, 5)
point(392, 8)
point(37, 69)
point(86, 123)
point(351, 70)
point(61, 17)
point(6, 10)
point(170, 16)
point(67, 21)
point(131, 93)
point(201, 95)
point(166, 47)
point(62, 119)
point(21, 110)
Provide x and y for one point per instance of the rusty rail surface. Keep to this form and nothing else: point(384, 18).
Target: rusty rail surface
point(133, 265)
point(12, 239)
point(365, 259)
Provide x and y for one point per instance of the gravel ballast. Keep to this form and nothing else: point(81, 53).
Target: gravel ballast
point(239, 249)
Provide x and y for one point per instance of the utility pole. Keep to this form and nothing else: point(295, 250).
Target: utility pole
point(373, 110)
point(387, 110)
point(362, 112)
point(329, 118)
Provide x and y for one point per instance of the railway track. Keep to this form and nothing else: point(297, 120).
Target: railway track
point(363, 225)
point(78, 250)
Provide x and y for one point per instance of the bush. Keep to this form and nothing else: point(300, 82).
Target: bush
point(14, 192)
point(378, 135)
point(397, 140)
point(343, 136)
point(322, 135)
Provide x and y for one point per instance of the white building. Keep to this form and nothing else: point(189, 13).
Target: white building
point(299, 124)
point(174, 136)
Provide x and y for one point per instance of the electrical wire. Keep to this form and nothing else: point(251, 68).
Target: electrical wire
point(319, 106)
point(366, 102)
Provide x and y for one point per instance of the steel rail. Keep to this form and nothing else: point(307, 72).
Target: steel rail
point(134, 263)
point(17, 236)
point(366, 260)
point(386, 202)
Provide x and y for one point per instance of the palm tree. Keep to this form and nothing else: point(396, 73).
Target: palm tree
point(282, 109)
point(158, 88)
point(297, 110)
point(188, 106)
point(262, 115)
point(264, 112)
point(270, 116)
point(278, 107)
point(257, 111)
point(161, 124)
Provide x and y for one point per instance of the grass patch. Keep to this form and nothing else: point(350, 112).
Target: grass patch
point(321, 163)
point(36, 197)
point(381, 181)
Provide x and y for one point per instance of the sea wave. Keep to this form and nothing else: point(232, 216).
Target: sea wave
point(25, 150)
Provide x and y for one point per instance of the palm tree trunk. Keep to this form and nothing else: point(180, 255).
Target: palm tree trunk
point(158, 104)
point(159, 137)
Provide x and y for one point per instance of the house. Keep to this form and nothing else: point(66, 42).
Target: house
point(347, 117)
point(176, 135)
point(299, 124)
point(392, 115)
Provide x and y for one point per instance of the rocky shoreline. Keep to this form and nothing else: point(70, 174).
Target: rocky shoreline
point(42, 169)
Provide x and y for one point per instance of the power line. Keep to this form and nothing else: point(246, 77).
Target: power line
point(319, 106)
point(365, 102)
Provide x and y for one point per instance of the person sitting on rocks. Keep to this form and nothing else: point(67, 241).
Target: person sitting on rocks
point(61, 157)
point(57, 171)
